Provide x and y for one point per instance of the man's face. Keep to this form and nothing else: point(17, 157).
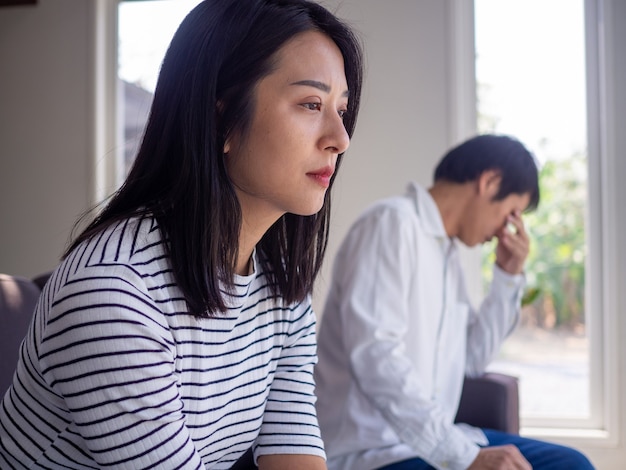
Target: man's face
point(486, 216)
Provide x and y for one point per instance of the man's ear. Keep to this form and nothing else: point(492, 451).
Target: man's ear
point(489, 183)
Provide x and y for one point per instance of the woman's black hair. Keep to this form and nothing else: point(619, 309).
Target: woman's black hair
point(515, 163)
point(205, 92)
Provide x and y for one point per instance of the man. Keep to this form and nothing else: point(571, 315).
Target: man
point(398, 333)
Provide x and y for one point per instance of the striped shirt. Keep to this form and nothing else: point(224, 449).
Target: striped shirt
point(115, 373)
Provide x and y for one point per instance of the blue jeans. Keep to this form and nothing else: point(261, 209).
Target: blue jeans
point(541, 455)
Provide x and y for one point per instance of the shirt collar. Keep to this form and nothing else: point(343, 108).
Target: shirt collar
point(427, 211)
point(236, 299)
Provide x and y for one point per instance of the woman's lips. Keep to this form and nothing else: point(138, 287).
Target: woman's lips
point(322, 176)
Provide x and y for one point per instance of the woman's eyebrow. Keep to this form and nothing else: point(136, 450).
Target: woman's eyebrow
point(319, 85)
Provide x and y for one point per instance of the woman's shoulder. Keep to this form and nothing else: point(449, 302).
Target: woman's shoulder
point(125, 260)
point(126, 241)
point(134, 245)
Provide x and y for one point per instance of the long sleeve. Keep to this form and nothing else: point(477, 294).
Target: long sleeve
point(106, 351)
point(290, 422)
point(495, 319)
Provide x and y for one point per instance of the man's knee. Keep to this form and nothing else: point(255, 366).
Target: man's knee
point(576, 460)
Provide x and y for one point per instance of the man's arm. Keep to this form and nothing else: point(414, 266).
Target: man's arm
point(511, 253)
point(499, 311)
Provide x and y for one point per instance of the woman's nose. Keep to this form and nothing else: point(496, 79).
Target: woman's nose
point(336, 137)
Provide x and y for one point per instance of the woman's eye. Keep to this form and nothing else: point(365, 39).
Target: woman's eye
point(342, 113)
point(312, 106)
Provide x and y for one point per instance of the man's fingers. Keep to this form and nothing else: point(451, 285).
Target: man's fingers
point(505, 457)
point(515, 221)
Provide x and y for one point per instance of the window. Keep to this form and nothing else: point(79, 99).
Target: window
point(145, 29)
point(531, 84)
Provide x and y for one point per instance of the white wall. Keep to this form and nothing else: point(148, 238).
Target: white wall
point(403, 126)
point(46, 128)
point(618, 119)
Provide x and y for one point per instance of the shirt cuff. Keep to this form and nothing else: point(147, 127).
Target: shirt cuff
point(455, 452)
point(511, 284)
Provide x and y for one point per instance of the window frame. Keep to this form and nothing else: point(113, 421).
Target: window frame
point(107, 172)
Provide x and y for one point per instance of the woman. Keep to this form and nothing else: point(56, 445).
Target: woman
point(178, 331)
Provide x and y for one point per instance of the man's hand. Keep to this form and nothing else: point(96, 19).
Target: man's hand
point(513, 246)
point(507, 457)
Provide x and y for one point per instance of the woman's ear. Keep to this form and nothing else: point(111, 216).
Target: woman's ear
point(489, 183)
point(220, 109)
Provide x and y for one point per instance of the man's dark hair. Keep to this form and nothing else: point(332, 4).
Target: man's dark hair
point(204, 94)
point(505, 154)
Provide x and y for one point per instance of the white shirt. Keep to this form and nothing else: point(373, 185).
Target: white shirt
point(397, 337)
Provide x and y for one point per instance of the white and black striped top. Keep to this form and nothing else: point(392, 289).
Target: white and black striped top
point(115, 373)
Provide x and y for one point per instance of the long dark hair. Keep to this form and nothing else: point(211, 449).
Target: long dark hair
point(204, 93)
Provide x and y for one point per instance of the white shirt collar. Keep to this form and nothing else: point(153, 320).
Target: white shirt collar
point(427, 209)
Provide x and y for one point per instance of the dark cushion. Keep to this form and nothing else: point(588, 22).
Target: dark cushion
point(245, 462)
point(490, 401)
point(42, 279)
point(18, 297)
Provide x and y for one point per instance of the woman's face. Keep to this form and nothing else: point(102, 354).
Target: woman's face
point(285, 160)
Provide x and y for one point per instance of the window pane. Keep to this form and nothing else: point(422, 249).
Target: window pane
point(530, 73)
point(145, 31)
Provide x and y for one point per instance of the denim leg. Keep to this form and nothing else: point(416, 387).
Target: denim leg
point(542, 455)
point(410, 464)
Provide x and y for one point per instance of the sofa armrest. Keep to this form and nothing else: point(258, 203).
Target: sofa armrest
point(18, 297)
point(490, 401)
point(41, 279)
